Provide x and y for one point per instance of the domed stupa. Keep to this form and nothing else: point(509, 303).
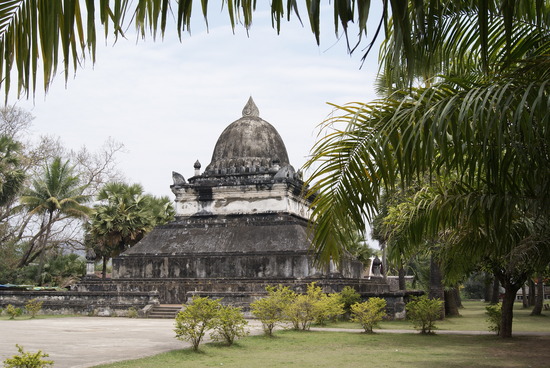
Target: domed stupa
point(241, 225)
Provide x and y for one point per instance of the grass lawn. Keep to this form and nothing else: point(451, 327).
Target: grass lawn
point(472, 318)
point(348, 349)
point(341, 349)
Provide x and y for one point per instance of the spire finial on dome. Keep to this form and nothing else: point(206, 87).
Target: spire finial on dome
point(251, 109)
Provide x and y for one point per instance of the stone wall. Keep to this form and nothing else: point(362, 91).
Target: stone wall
point(100, 303)
point(221, 265)
point(241, 292)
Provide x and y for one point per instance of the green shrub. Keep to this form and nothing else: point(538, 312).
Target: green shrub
point(369, 313)
point(198, 317)
point(27, 360)
point(303, 309)
point(424, 312)
point(314, 305)
point(330, 308)
point(229, 324)
point(301, 312)
point(348, 297)
point(494, 313)
point(271, 309)
point(33, 306)
point(13, 311)
point(132, 313)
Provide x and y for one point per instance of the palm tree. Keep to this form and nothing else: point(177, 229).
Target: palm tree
point(11, 175)
point(484, 122)
point(54, 196)
point(65, 30)
point(124, 216)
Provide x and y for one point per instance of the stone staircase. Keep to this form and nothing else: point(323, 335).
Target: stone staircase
point(164, 311)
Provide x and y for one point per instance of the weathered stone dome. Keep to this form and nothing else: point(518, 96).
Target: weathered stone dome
point(250, 144)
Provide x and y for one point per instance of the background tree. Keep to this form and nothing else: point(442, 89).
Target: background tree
point(123, 217)
point(57, 193)
point(19, 226)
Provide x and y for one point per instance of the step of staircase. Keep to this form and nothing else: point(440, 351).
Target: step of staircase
point(164, 311)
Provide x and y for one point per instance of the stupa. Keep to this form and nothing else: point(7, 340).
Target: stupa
point(241, 224)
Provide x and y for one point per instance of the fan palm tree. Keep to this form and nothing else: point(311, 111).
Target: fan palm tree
point(123, 217)
point(57, 193)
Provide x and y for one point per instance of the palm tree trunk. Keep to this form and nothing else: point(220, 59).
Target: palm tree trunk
point(524, 296)
point(44, 242)
point(539, 300)
point(488, 286)
point(495, 295)
point(532, 290)
point(510, 291)
point(104, 269)
point(452, 302)
point(402, 283)
point(436, 282)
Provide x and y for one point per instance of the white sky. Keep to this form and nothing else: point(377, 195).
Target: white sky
point(168, 102)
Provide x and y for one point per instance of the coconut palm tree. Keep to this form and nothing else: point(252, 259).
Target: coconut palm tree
point(54, 196)
point(484, 123)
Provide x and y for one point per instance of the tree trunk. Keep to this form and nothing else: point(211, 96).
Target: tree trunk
point(104, 269)
point(41, 262)
point(458, 297)
point(532, 291)
point(539, 300)
point(43, 243)
point(402, 283)
point(510, 291)
point(436, 283)
point(495, 295)
point(451, 302)
point(488, 287)
point(524, 296)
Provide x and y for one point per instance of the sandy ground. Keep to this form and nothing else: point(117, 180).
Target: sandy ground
point(79, 342)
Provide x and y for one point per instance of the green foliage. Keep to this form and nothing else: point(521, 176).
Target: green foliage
point(33, 306)
point(312, 306)
point(27, 360)
point(301, 312)
point(271, 309)
point(474, 286)
point(58, 191)
point(330, 307)
point(424, 312)
point(11, 173)
point(229, 324)
point(349, 296)
point(58, 270)
point(369, 313)
point(494, 317)
point(197, 317)
point(132, 313)
point(123, 217)
point(13, 311)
